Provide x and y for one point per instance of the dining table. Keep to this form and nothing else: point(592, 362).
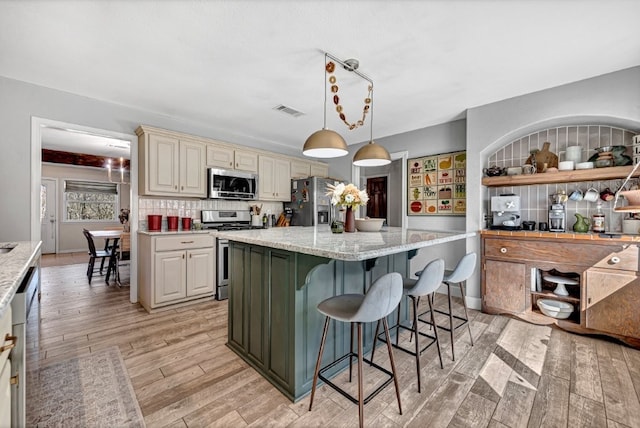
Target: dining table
point(111, 238)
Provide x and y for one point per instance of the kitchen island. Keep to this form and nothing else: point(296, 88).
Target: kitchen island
point(278, 276)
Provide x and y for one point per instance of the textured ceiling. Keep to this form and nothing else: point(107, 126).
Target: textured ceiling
point(226, 64)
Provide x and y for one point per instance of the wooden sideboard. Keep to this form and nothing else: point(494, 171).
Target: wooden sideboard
point(607, 296)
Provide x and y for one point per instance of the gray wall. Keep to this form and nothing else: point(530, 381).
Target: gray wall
point(612, 99)
point(20, 101)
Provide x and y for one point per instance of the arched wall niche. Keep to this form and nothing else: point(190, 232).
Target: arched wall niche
point(589, 132)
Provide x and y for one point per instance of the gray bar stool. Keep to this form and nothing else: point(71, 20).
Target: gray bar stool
point(425, 285)
point(459, 275)
point(381, 299)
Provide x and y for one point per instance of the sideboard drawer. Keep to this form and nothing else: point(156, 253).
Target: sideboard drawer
point(617, 256)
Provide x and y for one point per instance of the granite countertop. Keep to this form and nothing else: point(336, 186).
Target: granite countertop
point(533, 234)
point(319, 241)
point(14, 266)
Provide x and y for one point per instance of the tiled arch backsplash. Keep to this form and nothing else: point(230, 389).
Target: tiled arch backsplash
point(535, 198)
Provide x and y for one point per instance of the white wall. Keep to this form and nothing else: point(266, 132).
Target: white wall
point(70, 237)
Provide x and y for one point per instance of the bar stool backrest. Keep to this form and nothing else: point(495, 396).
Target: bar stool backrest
point(381, 299)
point(464, 269)
point(429, 280)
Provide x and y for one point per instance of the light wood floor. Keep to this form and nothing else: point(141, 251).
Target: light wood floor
point(516, 375)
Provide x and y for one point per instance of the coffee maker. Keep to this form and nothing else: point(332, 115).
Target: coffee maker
point(558, 213)
point(505, 212)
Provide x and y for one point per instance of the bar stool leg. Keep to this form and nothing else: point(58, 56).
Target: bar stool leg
point(375, 339)
point(351, 350)
point(466, 314)
point(320, 352)
point(393, 364)
point(360, 386)
point(414, 330)
point(451, 326)
point(435, 329)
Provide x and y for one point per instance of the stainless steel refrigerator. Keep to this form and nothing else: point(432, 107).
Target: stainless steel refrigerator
point(309, 203)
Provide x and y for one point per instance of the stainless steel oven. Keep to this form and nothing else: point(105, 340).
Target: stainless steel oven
point(222, 269)
point(224, 220)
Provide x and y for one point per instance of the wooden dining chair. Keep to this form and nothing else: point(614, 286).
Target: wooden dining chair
point(96, 254)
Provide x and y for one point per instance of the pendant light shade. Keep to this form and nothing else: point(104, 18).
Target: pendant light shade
point(371, 154)
point(325, 144)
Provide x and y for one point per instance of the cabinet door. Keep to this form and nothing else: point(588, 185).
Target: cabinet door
point(171, 276)
point(237, 293)
point(192, 169)
point(5, 394)
point(200, 272)
point(219, 156)
point(163, 172)
point(246, 160)
point(280, 324)
point(319, 170)
point(504, 286)
point(282, 180)
point(266, 184)
point(300, 169)
point(612, 302)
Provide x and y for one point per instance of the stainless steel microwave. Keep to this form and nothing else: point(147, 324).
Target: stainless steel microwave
point(228, 184)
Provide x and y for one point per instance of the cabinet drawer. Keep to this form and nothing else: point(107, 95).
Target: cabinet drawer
point(615, 256)
point(183, 242)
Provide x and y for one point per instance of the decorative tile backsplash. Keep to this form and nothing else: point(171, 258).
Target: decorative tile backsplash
point(192, 208)
point(535, 199)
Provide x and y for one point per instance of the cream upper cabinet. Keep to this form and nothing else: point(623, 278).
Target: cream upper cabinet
point(192, 170)
point(300, 169)
point(246, 160)
point(171, 166)
point(162, 172)
point(220, 156)
point(230, 158)
point(274, 179)
point(319, 170)
point(303, 169)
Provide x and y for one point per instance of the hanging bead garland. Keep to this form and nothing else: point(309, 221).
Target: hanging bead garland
point(330, 67)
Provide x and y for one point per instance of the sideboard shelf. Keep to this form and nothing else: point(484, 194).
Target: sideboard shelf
point(595, 174)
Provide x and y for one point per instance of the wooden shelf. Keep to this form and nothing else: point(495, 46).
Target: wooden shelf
point(595, 174)
point(551, 295)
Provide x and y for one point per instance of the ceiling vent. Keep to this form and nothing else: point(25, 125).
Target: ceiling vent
point(288, 110)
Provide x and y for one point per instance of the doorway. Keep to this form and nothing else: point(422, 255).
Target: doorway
point(37, 125)
point(377, 191)
point(49, 216)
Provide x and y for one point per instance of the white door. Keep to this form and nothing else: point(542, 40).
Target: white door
point(48, 215)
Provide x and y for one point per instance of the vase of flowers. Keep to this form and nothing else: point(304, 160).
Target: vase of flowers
point(350, 197)
point(124, 218)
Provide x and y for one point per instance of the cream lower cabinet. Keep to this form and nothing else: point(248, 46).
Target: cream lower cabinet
point(7, 342)
point(175, 269)
point(274, 182)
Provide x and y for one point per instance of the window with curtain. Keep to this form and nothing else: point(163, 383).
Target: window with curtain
point(90, 201)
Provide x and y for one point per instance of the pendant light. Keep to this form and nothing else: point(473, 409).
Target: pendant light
point(371, 154)
point(325, 143)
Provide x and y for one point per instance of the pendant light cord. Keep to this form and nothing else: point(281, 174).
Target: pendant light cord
point(324, 85)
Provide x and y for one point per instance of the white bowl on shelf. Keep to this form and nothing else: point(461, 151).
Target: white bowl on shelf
point(369, 224)
point(555, 308)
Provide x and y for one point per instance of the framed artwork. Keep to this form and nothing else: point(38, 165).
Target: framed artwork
point(437, 184)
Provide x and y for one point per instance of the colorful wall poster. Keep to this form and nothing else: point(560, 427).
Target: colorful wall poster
point(437, 184)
